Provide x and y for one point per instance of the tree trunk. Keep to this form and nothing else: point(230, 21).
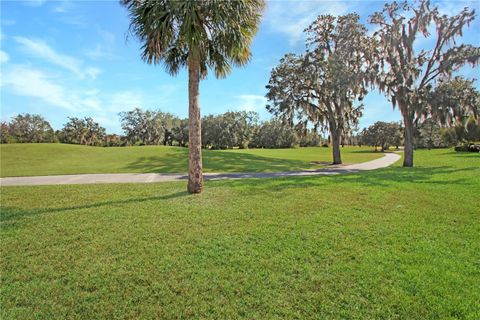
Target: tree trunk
point(195, 174)
point(337, 159)
point(408, 144)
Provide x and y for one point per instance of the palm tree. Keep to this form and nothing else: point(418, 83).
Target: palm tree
point(199, 35)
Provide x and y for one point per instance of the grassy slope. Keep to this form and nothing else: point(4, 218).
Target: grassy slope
point(388, 244)
point(48, 159)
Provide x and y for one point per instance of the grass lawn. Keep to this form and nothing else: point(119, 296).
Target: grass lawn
point(49, 159)
point(395, 243)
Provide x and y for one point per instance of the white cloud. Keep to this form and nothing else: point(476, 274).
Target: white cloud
point(63, 6)
point(25, 81)
point(291, 18)
point(97, 53)
point(34, 3)
point(124, 100)
point(76, 98)
point(102, 49)
point(92, 72)
point(251, 102)
point(40, 49)
point(3, 57)
point(114, 103)
point(111, 123)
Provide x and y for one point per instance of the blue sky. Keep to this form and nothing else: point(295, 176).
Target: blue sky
point(71, 58)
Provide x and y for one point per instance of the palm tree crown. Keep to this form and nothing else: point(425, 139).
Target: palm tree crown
point(215, 33)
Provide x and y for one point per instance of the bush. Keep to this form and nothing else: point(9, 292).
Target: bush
point(474, 148)
point(468, 148)
point(461, 148)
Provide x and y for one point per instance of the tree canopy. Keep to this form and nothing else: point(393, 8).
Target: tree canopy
point(217, 34)
point(407, 76)
point(28, 128)
point(382, 134)
point(321, 86)
point(82, 131)
point(453, 101)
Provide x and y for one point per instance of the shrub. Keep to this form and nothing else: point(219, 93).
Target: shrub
point(468, 148)
point(474, 148)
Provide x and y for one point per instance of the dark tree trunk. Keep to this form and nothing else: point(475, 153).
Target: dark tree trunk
point(408, 144)
point(337, 159)
point(195, 174)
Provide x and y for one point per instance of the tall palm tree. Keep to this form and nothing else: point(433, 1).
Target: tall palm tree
point(199, 35)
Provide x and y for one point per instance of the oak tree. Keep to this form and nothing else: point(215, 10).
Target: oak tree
point(405, 75)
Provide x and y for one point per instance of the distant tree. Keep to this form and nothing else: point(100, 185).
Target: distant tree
point(241, 126)
point(138, 127)
point(180, 132)
point(407, 77)
point(321, 86)
point(144, 127)
point(368, 138)
point(466, 132)
point(472, 130)
point(454, 107)
point(82, 131)
point(274, 134)
point(215, 134)
point(167, 122)
point(5, 134)
point(200, 35)
point(228, 130)
point(31, 128)
point(397, 139)
point(381, 134)
point(310, 138)
point(115, 140)
point(454, 101)
point(428, 135)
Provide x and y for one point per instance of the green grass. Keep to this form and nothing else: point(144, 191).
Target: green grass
point(50, 159)
point(396, 243)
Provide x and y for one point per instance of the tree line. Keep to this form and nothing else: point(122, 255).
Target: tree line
point(428, 134)
point(232, 129)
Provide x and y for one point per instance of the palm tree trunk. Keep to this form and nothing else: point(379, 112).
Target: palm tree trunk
point(195, 174)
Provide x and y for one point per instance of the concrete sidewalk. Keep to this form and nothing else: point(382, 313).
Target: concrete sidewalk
point(387, 160)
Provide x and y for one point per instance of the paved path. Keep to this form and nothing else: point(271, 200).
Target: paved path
point(385, 161)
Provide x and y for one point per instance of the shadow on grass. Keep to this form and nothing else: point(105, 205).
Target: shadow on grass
point(218, 161)
point(388, 177)
point(442, 175)
point(12, 213)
